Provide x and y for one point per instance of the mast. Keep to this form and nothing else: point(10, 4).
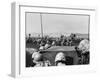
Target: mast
point(41, 25)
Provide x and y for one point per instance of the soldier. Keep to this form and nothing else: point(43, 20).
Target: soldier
point(38, 60)
point(60, 59)
point(83, 50)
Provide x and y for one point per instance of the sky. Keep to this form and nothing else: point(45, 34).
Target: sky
point(56, 23)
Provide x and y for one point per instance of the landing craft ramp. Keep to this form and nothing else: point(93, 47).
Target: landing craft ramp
point(69, 52)
point(61, 48)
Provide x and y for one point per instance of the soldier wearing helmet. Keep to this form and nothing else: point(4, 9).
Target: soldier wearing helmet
point(60, 59)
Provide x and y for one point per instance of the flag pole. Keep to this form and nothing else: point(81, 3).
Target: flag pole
point(41, 25)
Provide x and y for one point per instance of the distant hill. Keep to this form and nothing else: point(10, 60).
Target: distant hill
point(79, 35)
point(82, 35)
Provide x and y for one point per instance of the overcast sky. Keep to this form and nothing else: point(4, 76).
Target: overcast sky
point(56, 23)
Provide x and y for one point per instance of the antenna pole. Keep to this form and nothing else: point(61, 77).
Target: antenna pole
point(41, 25)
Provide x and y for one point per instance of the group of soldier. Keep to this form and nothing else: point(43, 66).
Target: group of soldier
point(60, 60)
point(38, 60)
point(46, 42)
